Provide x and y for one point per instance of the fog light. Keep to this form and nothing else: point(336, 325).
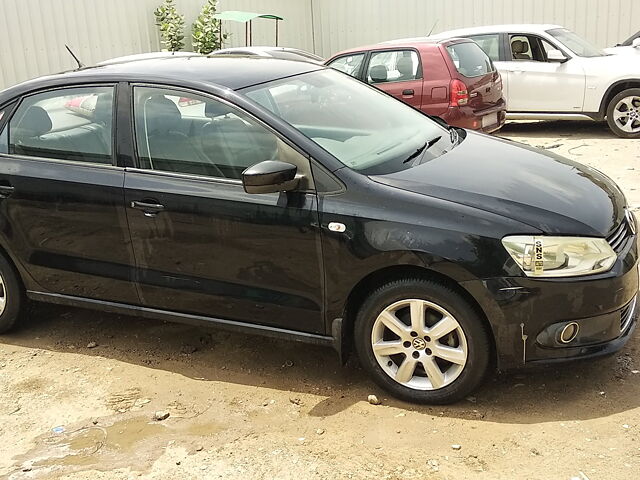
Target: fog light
point(569, 332)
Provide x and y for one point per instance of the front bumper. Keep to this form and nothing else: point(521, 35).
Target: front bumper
point(527, 314)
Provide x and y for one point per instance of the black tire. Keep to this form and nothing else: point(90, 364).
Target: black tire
point(613, 125)
point(13, 293)
point(473, 327)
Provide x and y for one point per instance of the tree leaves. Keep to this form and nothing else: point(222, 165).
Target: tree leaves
point(205, 31)
point(171, 25)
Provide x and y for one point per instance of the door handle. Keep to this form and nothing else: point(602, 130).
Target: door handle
point(6, 191)
point(149, 209)
point(408, 91)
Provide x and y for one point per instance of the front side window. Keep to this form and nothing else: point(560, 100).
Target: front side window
point(575, 43)
point(530, 48)
point(490, 44)
point(470, 60)
point(363, 128)
point(349, 64)
point(187, 133)
point(393, 66)
point(69, 124)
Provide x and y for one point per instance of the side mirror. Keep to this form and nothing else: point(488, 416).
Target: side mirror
point(556, 56)
point(270, 176)
point(636, 43)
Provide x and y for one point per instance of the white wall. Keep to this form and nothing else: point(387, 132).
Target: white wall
point(34, 31)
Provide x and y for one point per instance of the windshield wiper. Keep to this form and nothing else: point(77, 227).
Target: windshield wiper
point(424, 147)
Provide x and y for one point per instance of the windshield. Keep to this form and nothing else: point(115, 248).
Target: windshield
point(362, 127)
point(575, 43)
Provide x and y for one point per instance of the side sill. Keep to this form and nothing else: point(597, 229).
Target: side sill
point(190, 319)
point(551, 116)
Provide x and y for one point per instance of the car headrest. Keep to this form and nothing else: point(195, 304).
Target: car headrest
point(405, 66)
point(216, 109)
point(378, 73)
point(35, 122)
point(104, 109)
point(162, 115)
point(518, 46)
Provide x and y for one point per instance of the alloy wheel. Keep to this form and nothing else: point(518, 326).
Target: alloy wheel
point(419, 344)
point(626, 114)
point(3, 295)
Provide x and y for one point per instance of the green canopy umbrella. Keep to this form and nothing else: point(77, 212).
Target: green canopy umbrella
point(246, 18)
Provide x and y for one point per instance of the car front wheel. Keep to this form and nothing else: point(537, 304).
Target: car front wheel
point(422, 342)
point(623, 113)
point(11, 296)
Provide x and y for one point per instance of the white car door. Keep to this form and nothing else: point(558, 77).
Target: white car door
point(536, 84)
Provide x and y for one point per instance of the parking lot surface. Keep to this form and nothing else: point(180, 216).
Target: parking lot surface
point(79, 390)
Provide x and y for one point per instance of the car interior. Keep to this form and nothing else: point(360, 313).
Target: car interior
point(46, 129)
point(198, 137)
point(529, 48)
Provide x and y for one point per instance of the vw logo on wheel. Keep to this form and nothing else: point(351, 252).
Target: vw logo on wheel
point(419, 343)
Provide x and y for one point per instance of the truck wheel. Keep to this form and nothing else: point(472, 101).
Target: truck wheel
point(11, 295)
point(623, 113)
point(422, 342)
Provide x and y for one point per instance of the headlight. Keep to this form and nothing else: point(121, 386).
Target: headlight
point(560, 256)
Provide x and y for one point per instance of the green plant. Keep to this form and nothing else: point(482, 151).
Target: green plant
point(171, 25)
point(205, 31)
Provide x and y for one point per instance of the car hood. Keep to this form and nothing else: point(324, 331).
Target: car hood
point(623, 50)
point(532, 186)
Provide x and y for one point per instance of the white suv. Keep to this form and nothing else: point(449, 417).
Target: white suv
point(550, 72)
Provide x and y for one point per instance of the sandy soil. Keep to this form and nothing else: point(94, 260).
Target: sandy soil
point(244, 407)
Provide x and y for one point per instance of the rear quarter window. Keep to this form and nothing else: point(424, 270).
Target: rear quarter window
point(470, 60)
point(4, 141)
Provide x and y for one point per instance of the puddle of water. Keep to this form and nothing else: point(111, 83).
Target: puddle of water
point(126, 442)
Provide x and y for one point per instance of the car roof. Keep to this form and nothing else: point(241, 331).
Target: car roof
point(508, 28)
point(418, 43)
point(234, 72)
point(268, 51)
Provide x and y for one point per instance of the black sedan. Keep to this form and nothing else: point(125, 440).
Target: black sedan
point(287, 199)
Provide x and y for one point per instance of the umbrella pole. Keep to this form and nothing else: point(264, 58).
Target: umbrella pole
point(276, 32)
point(246, 34)
point(250, 33)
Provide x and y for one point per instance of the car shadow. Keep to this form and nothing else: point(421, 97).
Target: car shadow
point(558, 129)
point(577, 391)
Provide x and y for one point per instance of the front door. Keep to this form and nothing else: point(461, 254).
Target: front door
point(61, 197)
point(203, 245)
point(397, 72)
point(537, 85)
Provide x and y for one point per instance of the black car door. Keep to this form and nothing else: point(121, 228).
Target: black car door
point(61, 195)
point(203, 246)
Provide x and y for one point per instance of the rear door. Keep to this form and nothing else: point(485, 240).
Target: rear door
point(478, 73)
point(538, 85)
point(397, 72)
point(202, 244)
point(61, 195)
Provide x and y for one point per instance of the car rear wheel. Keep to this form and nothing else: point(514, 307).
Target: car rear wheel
point(422, 342)
point(623, 113)
point(11, 295)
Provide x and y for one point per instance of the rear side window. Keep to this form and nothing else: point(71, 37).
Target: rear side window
point(490, 44)
point(393, 66)
point(68, 124)
point(470, 60)
point(349, 64)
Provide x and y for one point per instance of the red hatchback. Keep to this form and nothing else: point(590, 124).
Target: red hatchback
point(453, 79)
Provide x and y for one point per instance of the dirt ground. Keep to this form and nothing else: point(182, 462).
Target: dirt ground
point(244, 407)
